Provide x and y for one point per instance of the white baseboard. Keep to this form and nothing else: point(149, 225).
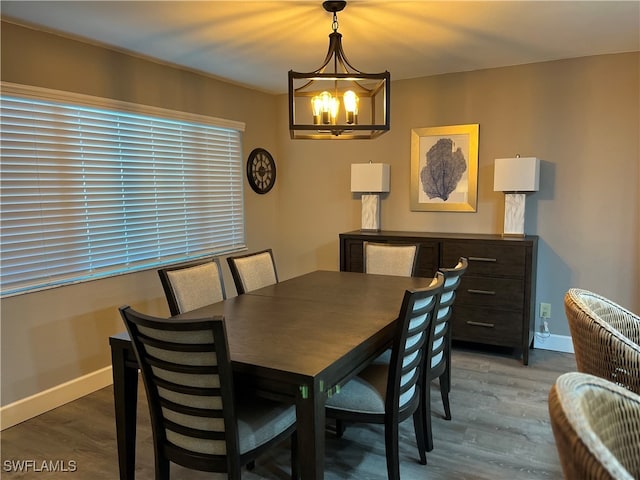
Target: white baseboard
point(557, 343)
point(42, 402)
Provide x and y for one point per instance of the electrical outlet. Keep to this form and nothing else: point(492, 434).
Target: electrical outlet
point(545, 310)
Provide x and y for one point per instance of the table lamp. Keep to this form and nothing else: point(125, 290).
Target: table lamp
point(370, 179)
point(515, 176)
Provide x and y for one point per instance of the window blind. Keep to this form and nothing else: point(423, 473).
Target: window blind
point(88, 192)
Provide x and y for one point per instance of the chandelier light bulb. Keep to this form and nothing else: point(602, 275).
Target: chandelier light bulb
point(316, 106)
point(334, 107)
point(325, 101)
point(351, 106)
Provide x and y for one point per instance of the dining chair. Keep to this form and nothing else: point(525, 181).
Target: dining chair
point(193, 285)
point(197, 420)
point(605, 336)
point(596, 426)
point(390, 393)
point(439, 346)
point(253, 270)
point(390, 258)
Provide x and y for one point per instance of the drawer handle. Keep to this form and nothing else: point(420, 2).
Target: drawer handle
point(481, 292)
point(482, 259)
point(481, 324)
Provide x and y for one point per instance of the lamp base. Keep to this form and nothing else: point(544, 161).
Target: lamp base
point(514, 205)
point(370, 212)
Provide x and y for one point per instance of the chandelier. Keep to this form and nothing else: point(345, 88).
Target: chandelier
point(344, 103)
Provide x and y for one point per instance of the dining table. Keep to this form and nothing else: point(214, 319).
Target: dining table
point(298, 341)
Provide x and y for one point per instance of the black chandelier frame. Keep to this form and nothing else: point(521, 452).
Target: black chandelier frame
point(373, 90)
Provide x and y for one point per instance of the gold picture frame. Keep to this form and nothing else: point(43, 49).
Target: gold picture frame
point(444, 168)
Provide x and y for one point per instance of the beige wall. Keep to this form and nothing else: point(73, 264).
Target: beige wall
point(54, 336)
point(580, 116)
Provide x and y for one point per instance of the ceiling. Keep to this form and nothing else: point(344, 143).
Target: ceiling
point(255, 43)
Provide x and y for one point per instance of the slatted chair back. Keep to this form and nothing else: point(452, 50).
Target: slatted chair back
point(196, 420)
point(595, 424)
point(253, 270)
point(390, 392)
point(439, 346)
point(440, 336)
point(606, 337)
point(390, 258)
point(191, 286)
point(408, 359)
point(188, 380)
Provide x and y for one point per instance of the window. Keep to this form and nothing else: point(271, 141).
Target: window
point(93, 187)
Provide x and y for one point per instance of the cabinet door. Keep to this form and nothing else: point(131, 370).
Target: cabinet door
point(428, 254)
point(353, 255)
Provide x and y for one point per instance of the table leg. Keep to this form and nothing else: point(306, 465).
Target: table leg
point(125, 393)
point(310, 426)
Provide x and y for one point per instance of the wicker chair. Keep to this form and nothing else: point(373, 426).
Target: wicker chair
point(605, 336)
point(596, 425)
point(390, 259)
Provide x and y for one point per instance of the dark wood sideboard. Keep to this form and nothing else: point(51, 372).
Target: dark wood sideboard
point(495, 303)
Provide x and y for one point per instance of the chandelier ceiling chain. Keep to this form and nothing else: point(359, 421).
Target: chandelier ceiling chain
point(329, 103)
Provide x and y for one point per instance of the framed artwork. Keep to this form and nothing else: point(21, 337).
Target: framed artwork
point(444, 168)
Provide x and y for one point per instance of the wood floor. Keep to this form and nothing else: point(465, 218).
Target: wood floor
point(500, 430)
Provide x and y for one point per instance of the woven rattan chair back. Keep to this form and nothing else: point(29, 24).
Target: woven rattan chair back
point(596, 425)
point(605, 337)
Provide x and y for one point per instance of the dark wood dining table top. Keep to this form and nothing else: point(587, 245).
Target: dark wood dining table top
point(306, 324)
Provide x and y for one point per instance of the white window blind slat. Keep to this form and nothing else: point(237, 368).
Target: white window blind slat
point(89, 192)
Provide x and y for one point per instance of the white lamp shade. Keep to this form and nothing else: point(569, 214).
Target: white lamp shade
point(370, 177)
point(521, 174)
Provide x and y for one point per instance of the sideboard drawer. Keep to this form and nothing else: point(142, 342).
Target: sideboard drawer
point(486, 325)
point(502, 293)
point(486, 258)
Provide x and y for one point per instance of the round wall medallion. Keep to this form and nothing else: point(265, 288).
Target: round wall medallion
point(261, 170)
